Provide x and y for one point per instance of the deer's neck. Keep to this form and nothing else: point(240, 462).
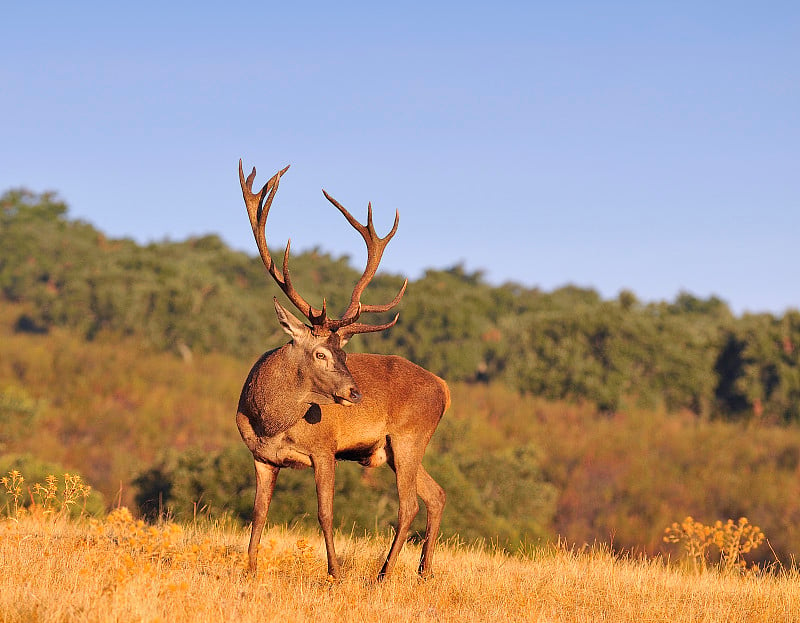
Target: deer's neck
point(277, 393)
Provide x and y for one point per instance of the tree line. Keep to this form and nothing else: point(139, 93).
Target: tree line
point(198, 295)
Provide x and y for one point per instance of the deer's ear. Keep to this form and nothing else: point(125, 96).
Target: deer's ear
point(290, 324)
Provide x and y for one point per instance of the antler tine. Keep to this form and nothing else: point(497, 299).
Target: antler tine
point(360, 327)
point(318, 318)
point(375, 247)
point(258, 206)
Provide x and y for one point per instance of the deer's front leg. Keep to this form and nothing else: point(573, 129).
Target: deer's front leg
point(266, 475)
point(324, 477)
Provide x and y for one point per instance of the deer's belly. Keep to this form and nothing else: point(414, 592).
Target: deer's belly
point(369, 455)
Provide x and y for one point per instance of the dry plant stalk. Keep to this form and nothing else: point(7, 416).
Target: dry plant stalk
point(45, 499)
point(731, 540)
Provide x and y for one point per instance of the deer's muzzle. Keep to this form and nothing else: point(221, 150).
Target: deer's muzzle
point(353, 397)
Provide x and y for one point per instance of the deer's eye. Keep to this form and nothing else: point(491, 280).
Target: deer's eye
point(320, 355)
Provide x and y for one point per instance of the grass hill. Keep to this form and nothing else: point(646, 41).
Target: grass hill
point(144, 426)
point(119, 569)
point(576, 420)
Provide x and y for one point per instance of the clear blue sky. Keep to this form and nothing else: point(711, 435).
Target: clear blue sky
point(618, 145)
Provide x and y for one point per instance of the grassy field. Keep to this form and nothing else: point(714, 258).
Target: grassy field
point(120, 569)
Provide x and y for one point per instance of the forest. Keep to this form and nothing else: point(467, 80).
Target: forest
point(573, 416)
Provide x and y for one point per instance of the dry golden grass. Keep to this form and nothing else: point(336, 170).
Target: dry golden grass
point(119, 569)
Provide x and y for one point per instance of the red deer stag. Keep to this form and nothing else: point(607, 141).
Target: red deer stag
point(309, 404)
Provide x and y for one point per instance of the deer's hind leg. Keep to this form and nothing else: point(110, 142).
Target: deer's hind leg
point(404, 459)
point(434, 498)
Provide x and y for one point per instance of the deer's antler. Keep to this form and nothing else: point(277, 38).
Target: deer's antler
point(258, 206)
point(375, 247)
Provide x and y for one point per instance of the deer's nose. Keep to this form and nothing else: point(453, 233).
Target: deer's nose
point(355, 395)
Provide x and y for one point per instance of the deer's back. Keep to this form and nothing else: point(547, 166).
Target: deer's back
point(400, 399)
point(400, 387)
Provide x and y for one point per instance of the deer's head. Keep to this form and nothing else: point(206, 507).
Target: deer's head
point(320, 361)
point(318, 346)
